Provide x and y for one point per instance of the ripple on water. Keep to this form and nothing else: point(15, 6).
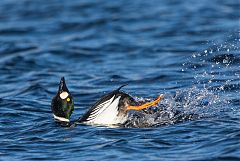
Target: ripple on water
point(182, 50)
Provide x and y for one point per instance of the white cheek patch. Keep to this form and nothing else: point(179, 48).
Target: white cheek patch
point(63, 95)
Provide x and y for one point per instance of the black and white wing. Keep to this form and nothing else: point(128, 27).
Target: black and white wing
point(104, 111)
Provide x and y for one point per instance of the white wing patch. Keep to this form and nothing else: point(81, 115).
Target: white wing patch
point(105, 113)
point(100, 108)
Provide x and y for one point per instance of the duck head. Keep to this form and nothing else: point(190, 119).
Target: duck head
point(62, 104)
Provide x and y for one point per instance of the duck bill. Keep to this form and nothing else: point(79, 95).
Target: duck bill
point(62, 86)
point(146, 105)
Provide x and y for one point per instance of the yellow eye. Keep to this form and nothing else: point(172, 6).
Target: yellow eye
point(68, 99)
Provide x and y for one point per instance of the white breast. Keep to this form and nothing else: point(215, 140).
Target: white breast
point(106, 113)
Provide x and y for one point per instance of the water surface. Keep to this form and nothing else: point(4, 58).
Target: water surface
point(186, 50)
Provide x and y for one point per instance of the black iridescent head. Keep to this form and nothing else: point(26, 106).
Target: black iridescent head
point(62, 104)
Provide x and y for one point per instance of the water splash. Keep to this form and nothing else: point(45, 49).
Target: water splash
point(188, 104)
point(215, 80)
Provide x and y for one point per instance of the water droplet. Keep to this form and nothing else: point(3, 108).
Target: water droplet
point(225, 61)
point(221, 88)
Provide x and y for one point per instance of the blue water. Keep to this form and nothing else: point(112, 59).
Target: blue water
point(186, 50)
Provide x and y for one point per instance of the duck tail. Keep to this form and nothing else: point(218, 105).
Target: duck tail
point(121, 87)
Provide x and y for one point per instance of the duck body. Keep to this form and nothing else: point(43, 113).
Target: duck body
point(111, 109)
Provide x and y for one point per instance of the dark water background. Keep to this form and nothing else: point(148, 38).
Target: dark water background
point(187, 50)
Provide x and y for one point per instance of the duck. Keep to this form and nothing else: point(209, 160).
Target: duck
point(111, 109)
